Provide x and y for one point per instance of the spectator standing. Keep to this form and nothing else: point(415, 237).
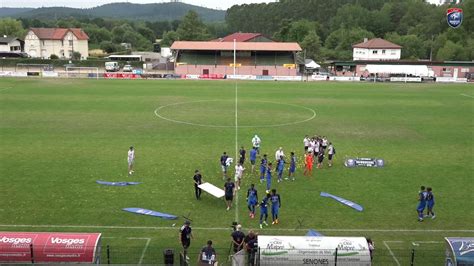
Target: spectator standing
point(251, 246)
point(238, 238)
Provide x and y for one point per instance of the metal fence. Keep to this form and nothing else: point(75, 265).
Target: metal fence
point(155, 255)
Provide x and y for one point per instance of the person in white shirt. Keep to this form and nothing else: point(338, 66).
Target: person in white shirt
point(239, 170)
point(306, 142)
point(256, 143)
point(324, 142)
point(279, 153)
point(331, 153)
point(131, 160)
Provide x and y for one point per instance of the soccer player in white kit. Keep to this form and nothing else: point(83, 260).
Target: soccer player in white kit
point(131, 160)
point(239, 170)
point(256, 143)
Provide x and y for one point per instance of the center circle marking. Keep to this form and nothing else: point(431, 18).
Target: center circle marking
point(157, 113)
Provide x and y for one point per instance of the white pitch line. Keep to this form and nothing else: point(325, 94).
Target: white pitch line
point(4, 89)
point(144, 249)
point(236, 151)
point(390, 250)
point(466, 95)
point(228, 228)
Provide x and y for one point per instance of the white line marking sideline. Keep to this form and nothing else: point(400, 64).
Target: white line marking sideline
point(144, 249)
point(236, 151)
point(470, 96)
point(4, 89)
point(390, 250)
point(228, 228)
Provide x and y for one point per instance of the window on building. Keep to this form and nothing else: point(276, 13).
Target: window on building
point(42, 42)
point(383, 51)
point(445, 69)
point(393, 52)
point(62, 42)
point(70, 42)
point(374, 52)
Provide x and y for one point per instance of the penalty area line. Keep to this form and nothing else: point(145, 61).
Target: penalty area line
point(228, 228)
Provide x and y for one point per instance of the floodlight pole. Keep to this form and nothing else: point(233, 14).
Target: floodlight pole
point(235, 46)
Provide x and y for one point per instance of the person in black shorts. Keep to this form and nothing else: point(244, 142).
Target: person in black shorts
point(197, 181)
point(242, 153)
point(320, 158)
point(185, 235)
point(229, 188)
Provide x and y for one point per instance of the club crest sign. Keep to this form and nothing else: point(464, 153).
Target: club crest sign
point(454, 17)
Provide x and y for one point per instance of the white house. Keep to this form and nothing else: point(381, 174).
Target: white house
point(10, 44)
point(376, 49)
point(43, 42)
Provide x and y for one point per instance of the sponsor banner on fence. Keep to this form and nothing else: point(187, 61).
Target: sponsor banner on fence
point(364, 162)
point(243, 77)
point(405, 79)
point(13, 74)
point(287, 78)
point(50, 74)
point(264, 77)
point(189, 76)
point(121, 76)
point(451, 79)
point(49, 247)
point(310, 250)
point(342, 78)
point(319, 77)
point(212, 76)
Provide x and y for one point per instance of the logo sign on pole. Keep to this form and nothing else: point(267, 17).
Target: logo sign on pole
point(454, 17)
point(49, 247)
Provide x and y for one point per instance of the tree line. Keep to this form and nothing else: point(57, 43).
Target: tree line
point(325, 29)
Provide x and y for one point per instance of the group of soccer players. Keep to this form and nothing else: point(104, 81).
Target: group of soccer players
point(317, 147)
point(425, 201)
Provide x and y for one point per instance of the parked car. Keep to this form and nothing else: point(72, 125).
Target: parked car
point(127, 68)
point(112, 66)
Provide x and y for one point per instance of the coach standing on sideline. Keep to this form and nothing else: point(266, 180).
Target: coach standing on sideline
point(197, 181)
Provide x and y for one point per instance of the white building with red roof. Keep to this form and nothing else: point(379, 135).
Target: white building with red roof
point(376, 49)
point(63, 42)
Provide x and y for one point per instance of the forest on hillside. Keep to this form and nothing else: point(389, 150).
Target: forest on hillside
point(325, 29)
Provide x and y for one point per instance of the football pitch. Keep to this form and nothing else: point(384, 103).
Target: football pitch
point(59, 136)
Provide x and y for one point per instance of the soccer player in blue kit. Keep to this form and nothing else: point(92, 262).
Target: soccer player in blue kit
point(292, 169)
point(276, 204)
point(263, 168)
point(253, 158)
point(264, 211)
point(252, 200)
point(421, 203)
point(280, 167)
point(269, 177)
point(430, 202)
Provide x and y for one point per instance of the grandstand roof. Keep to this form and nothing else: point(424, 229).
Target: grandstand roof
point(240, 46)
point(58, 33)
point(377, 43)
point(239, 37)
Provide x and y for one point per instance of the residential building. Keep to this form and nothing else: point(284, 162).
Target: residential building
point(63, 42)
point(376, 49)
point(11, 44)
point(244, 37)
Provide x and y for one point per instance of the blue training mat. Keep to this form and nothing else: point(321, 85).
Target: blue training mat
point(343, 201)
point(312, 232)
point(151, 213)
point(117, 184)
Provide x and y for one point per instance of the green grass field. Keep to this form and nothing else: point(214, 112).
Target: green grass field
point(59, 136)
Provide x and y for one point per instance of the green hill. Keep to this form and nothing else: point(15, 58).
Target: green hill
point(150, 12)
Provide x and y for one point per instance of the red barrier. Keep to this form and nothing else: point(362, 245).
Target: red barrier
point(121, 76)
point(49, 247)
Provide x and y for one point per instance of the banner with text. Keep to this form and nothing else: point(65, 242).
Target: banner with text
point(17, 247)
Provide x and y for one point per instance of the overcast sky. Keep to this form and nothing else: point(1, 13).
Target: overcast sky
point(219, 4)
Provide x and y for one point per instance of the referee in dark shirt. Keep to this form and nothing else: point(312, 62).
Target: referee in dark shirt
point(197, 181)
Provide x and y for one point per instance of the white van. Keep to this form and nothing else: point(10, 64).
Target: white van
point(112, 66)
